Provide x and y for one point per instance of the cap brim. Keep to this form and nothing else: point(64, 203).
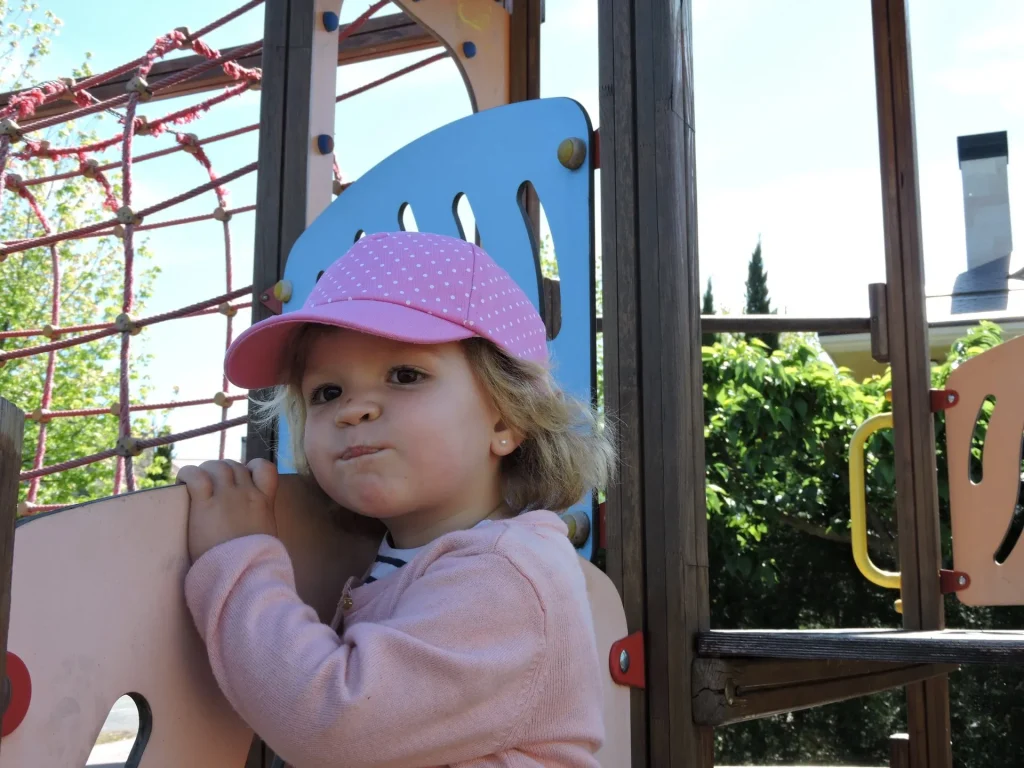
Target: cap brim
point(254, 359)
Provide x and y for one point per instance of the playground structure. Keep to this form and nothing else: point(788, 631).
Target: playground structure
point(672, 678)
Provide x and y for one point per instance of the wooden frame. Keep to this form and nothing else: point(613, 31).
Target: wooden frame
point(914, 432)
point(657, 536)
point(383, 36)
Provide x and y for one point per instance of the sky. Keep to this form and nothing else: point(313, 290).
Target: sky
point(786, 141)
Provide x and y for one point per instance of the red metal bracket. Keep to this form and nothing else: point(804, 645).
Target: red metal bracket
point(626, 661)
point(270, 301)
point(941, 399)
point(953, 581)
point(17, 694)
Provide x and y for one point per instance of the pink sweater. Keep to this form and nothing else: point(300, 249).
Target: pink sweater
point(479, 652)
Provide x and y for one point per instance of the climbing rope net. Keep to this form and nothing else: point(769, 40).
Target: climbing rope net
point(17, 126)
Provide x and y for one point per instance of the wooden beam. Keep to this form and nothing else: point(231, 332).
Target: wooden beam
point(907, 647)
point(729, 691)
point(657, 535)
point(12, 426)
point(524, 51)
point(381, 37)
point(917, 499)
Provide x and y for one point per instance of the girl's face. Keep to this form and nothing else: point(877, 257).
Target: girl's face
point(401, 432)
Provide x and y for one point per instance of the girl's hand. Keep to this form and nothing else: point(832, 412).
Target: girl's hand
point(228, 501)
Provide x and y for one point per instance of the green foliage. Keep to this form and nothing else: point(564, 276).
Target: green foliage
point(91, 283)
point(777, 434)
point(757, 300)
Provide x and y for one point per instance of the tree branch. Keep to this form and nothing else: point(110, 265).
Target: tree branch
point(875, 546)
point(799, 524)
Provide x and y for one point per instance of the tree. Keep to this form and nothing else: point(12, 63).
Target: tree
point(708, 308)
point(757, 300)
point(91, 283)
point(778, 430)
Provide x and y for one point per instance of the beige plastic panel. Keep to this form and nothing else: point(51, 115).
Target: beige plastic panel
point(981, 512)
point(485, 23)
point(98, 611)
point(610, 623)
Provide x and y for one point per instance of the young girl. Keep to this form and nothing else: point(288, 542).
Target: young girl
point(416, 386)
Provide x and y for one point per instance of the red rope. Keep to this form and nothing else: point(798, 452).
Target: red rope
point(97, 326)
point(58, 237)
point(25, 104)
point(388, 78)
point(160, 85)
point(154, 442)
point(169, 405)
point(226, 18)
point(110, 330)
point(142, 158)
point(158, 225)
point(51, 362)
point(360, 20)
point(124, 463)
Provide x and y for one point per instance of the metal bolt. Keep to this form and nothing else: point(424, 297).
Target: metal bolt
point(962, 580)
point(950, 397)
point(624, 661)
point(571, 153)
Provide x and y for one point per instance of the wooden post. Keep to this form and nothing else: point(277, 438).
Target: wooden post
point(12, 426)
point(899, 751)
point(524, 51)
point(914, 432)
point(293, 185)
point(524, 78)
point(657, 526)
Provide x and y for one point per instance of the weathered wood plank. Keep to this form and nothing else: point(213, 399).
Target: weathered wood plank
point(914, 431)
point(12, 427)
point(899, 751)
point(269, 181)
point(657, 542)
point(730, 691)
point(624, 518)
point(911, 647)
point(282, 190)
point(390, 35)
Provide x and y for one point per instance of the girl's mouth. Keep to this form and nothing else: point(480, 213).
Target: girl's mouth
point(358, 450)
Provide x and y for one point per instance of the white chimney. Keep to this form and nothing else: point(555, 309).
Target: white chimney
point(983, 161)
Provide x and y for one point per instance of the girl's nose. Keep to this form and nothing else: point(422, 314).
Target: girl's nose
point(356, 410)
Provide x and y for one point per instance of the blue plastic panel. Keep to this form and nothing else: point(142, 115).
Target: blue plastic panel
point(488, 156)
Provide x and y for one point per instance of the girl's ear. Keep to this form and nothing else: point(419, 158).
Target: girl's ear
point(504, 440)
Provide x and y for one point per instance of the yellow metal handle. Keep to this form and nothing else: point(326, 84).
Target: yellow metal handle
point(858, 504)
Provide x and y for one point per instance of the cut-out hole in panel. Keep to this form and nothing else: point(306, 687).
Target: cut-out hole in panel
point(1016, 527)
point(360, 234)
point(978, 438)
point(124, 734)
point(407, 219)
point(536, 223)
point(465, 219)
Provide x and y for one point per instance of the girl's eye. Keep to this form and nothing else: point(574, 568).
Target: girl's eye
point(406, 376)
point(324, 393)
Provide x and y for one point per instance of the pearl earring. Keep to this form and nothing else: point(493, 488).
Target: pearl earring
point(504, 442)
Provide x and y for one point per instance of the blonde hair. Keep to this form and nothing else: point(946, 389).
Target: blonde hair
point(566, 447)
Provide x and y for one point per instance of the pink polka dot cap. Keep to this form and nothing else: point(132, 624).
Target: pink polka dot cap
point(415, 287)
